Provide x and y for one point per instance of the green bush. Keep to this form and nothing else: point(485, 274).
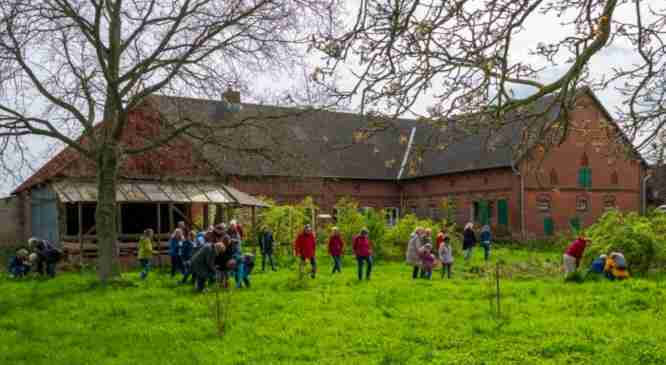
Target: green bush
point(641, 239)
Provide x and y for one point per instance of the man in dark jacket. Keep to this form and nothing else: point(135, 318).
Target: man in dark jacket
point(266, 245)
point(203, 263)
point(47, 256)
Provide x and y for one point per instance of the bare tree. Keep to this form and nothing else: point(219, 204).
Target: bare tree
point(461, 55)
point(66, 65)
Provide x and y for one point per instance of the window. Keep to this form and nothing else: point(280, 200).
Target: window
point(615, 179)
point(548, 226)
point(582, 204)
point(609, 202)
point(392, 215)
point(543, 203)
point(585, 177)
point(554, 179)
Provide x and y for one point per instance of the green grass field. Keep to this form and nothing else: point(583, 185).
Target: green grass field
point(337, 320)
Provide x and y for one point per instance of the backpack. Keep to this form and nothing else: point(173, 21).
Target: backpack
point(620, 261)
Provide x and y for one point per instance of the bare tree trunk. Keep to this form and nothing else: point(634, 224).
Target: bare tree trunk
point(105, 215)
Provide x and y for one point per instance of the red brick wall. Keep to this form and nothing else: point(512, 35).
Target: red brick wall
point(325, 192)
point(605, 156)
point(466, 188)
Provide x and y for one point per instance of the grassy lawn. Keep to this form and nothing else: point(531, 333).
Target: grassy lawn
point(337, 320)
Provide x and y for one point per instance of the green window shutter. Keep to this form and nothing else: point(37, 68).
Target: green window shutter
point(582, 180)
point(588, 181)
point(548, 226)
point(503, 213)
point(575, 224)
point(484, 217)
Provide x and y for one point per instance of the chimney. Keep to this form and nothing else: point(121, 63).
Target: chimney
point(233, 97)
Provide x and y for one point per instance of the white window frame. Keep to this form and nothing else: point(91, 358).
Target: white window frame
point(392, 215)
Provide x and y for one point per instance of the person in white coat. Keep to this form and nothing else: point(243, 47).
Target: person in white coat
point(413, 248)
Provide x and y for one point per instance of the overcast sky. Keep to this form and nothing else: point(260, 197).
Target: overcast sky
point(539, 28)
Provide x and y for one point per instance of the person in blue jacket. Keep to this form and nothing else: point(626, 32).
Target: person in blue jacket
point(19, 264)
point(175, 243)
point(186, 252)
point(486, 240)
point(597, 266)
point(266, 243)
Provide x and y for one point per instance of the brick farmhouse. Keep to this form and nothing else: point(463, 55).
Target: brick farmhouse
point(292, 154)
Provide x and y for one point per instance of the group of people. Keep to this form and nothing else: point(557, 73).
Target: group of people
point(203, 257)
point(216, 254)
point(423, 257)
point(41, 257)
point(305, 247)
point(613, 266)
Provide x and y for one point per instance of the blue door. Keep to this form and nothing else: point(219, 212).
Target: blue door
point(44, 214)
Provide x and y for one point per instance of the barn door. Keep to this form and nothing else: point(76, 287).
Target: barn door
point(44, 214)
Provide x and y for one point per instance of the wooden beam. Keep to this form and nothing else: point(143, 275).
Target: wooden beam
point(119, 221)
point(171, 223)
point(254, 223)
point(159, 233)
point(80, 212)
point(186, 218)
point(206, 218)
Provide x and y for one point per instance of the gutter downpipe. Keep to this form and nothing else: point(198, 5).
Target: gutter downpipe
point(644, 194)
point(522, 200)
point(402, 169)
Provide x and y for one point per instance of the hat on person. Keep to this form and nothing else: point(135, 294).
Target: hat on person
point(364, 231)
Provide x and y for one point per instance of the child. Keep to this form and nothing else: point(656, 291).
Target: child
point(446, 256)
point(186, 252)
point(248, 265)
point(145, 252)
point(19, 265)
point(427, 261)
point(175, 243)
point(336, 247)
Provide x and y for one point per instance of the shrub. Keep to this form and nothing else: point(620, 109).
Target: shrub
point(641, 239)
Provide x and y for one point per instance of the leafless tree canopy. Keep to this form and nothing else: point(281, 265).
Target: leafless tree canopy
point(66, 65)
point(462, 56)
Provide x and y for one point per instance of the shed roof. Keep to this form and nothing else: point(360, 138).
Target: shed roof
point(69, 191)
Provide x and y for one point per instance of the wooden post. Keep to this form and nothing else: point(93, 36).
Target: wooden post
point(497, 279)
point(159, 232)
point(254, 223)
point(206, 218)
point(80, 209)
point(120, 218)
point(171, 223)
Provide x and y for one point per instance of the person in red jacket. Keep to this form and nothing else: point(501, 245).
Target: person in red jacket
point(335, 248)
point(304, 248)
point(573, 255)
point(363, 251)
